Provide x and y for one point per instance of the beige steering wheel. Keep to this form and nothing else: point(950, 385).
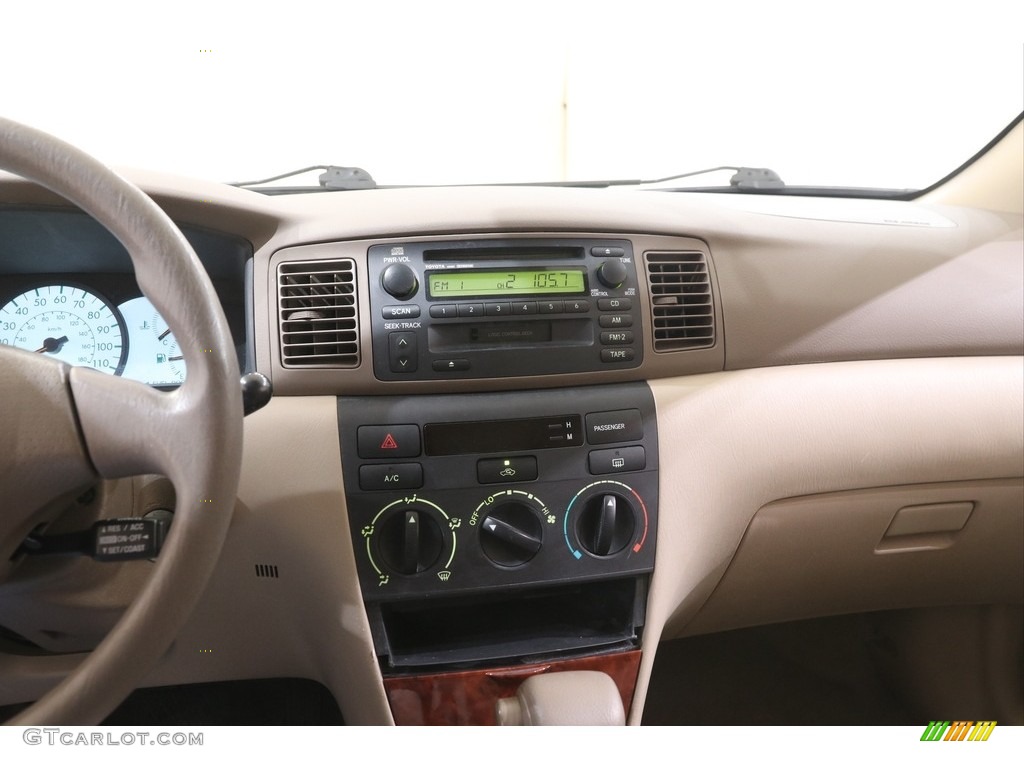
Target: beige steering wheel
point(61, 427)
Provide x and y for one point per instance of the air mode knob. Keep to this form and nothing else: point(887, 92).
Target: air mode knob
point(606, 525)
point(612, 273)
point(410, 541)
point(399, 281)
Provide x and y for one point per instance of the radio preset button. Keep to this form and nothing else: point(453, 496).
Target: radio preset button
point(615, 321)
point(471, 310)
point(616, 355)
point(398, 311)
point(385, 477)
point(402, 351)
point(549, 307)
point(607, 251)
point(444, 310)
point(608, 460)
point(615, 305)
point(497, 308)
point(388, 441)
point(457, 364)
point(524, 307)
point(577, 305)
point(516, 469)
point(616, 337)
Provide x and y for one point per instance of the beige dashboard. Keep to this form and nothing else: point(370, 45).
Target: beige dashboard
point(868, 360)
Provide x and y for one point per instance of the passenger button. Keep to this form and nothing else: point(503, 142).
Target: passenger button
point(385, 477)
point(389, 441)
point(614, 426)
point(444, 310)
point(616, 337)
point(615, 321)
point(617, 355)
point(615, 305)
point(516, 469)
point(397, 311)
point(608, 460)
point(451, 364)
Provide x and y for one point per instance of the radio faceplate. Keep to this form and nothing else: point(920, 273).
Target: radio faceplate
point(503, 308)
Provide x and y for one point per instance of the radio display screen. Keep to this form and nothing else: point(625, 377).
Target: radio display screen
point(510, 282)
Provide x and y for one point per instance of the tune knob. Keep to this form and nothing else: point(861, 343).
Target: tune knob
point(612, 273)
point(606, 525)
point(511, 534)
point(410, 541)
point(399, 281)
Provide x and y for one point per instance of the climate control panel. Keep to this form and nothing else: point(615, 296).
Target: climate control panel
point(453, 495)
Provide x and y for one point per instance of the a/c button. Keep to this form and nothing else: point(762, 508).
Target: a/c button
point(382, 477)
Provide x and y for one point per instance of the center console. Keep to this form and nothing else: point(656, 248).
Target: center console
point(500, 535)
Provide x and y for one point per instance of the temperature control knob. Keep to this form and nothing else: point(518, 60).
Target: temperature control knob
point(612, 273)
point(410, 541)
point(606, 525)
point(511, 534)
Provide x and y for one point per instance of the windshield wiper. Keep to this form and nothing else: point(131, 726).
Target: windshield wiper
point(333, 177)
point(745, 178)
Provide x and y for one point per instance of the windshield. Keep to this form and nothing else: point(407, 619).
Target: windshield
point(444, 92)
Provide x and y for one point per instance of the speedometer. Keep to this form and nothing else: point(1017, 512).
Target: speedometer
point(67, 322)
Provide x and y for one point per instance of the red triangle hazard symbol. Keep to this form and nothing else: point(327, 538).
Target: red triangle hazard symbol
point(389, 443)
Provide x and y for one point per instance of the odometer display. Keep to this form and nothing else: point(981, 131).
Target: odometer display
point(69, 323)
point(512, 282)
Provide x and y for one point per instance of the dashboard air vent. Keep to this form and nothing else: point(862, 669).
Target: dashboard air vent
point(682, 312)
point(318, 314)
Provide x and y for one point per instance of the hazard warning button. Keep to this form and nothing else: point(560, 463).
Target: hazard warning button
point(389, 441)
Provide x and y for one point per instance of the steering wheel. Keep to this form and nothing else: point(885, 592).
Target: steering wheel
point(61, 427)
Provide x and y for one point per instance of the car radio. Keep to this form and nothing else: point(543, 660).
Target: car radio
point(501, 308)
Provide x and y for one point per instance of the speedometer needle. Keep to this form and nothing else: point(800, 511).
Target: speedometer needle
point(51, 344)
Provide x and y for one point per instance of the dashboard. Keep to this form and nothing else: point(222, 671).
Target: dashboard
point(524, 430)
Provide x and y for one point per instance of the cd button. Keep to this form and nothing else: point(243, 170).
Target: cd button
point(549, 307)
point(457, 364)
point(616, 337)
point(444, 310)
point(577, 305)
point(524, 307)
point(617, 355)
point(615, 305)
point(471, 310)
point(497, 308)
point(615, 321)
